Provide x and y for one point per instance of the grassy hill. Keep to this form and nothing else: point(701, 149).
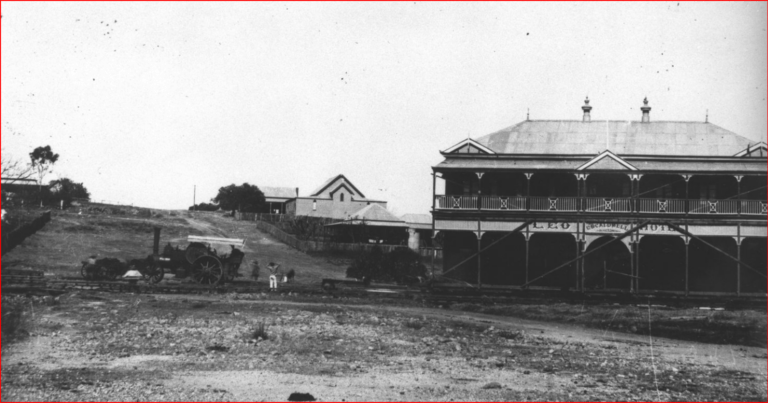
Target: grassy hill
point(69, 238)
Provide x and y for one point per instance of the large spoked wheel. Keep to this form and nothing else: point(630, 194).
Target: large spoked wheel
point(208, 270)
point(152, 273)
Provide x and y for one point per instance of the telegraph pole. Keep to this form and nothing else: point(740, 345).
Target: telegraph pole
point(194, 199)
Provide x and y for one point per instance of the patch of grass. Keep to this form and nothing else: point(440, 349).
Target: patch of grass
point(259, 332)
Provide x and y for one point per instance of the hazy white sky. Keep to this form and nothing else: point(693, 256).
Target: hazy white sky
point(145, 100)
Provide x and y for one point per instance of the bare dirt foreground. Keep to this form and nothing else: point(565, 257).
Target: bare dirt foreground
point(87, 346)
point(122, 347)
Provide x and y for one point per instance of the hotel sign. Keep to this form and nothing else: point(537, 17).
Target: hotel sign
point(600, 228)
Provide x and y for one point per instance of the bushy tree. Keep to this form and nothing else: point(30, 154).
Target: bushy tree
point(245, 198)
point(68, 190)
point(204, 207)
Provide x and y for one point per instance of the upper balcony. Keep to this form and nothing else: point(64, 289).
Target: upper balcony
point(602, 205)
point(568, 193)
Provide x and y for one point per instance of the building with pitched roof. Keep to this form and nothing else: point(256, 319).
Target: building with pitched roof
point(377, 223)
point(278, 197)
point(335, 198)
point(635, 206)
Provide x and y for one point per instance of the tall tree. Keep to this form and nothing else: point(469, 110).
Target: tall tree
point(245, 198)
point(68, 190)
point(42, 159)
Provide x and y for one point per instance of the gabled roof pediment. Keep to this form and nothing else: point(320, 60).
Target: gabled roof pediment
point(469, 146)
point(607, 161)
point(344, 187)
point(757, 150)
point(335, 183)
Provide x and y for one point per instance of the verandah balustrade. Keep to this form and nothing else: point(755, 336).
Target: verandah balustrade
point(602, 205)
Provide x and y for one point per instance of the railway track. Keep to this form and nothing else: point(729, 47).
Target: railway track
point(437, 295)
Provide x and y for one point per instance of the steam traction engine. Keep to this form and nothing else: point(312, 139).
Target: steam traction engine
point(199, 260)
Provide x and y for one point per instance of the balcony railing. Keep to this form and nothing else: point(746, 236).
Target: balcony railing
point(753, 207)
point(514, 203)
point(569, 204)
point(603, 205)
point(713, 206)
point(456, 202)
point(671, 206)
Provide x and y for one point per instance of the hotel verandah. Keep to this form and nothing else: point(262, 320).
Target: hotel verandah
point(688, 198)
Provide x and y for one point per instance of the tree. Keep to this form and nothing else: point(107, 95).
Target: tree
point(245, 198)
point(42, 159)
point(204, 207)
point(14, 169)
point(67, 190)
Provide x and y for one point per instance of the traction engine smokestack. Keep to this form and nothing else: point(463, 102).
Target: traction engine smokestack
point(156, 242)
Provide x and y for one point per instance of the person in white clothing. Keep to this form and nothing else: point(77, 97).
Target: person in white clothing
point(274, 271)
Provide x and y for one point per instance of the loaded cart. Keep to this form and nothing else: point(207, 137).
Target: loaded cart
point(207, 260)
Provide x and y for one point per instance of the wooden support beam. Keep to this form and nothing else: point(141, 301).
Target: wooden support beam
point(737, 260)
point(687, 245)
point(618, 238)
point(527, 254)
point(514, 231)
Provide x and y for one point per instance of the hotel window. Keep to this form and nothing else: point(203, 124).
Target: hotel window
point(314, 205)
point(342, 197)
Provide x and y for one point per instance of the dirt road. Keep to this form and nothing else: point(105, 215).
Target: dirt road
point(106, 347)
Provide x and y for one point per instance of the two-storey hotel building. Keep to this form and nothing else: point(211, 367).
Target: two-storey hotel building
point(637, 206)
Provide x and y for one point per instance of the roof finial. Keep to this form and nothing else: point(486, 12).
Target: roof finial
point(586, 108)
point(528, 114)
point(706, 119)
point(646, 111)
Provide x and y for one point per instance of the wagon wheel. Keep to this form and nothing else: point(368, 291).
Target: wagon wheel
point(152, 273)
point(208, 270)
point(195, 251)
point(85, 272)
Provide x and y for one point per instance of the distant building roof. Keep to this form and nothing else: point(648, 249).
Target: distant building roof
point(278, 194)
point(18, 181)
point(373, 215)
point(572, 137)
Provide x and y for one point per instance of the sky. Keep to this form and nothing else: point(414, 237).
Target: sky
point(146, 101)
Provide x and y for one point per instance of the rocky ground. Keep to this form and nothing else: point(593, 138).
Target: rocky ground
point(121, 347)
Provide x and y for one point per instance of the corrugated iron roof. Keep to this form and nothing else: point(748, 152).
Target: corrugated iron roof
point(417, 219)
point(19, 182)
point(621, 137)
point(373, 215)
point(277, 192)
point(375, 212)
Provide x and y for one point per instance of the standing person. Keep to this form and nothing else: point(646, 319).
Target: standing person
point(274, 270)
